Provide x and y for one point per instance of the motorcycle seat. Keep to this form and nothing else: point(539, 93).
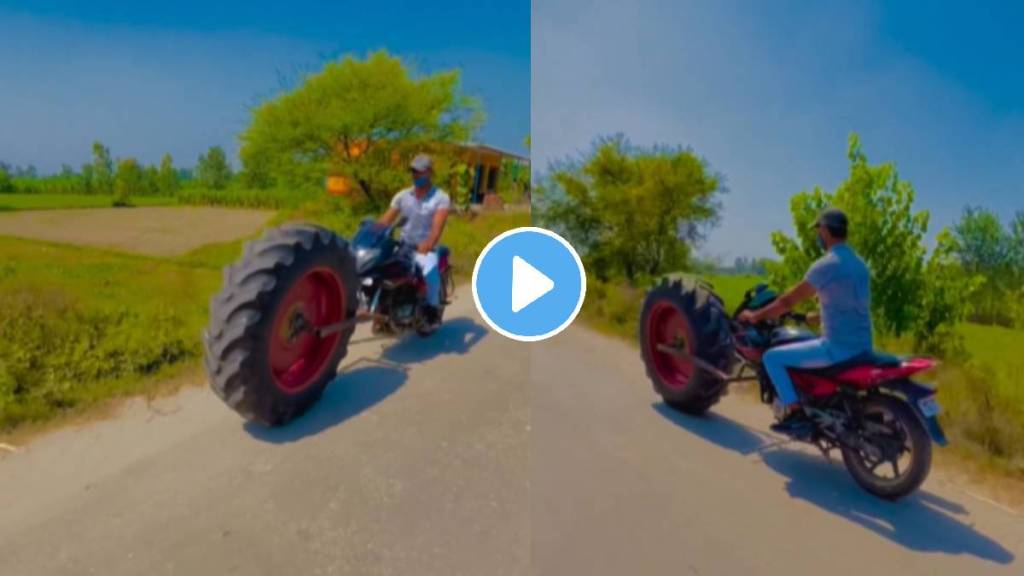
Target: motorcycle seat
point(870, 358)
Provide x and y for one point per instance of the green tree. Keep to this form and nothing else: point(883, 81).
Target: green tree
point(984, 248)
point(213, 170)
point(129, 181)
point(888, 233)
point(102, 169)
point(943, 301)
point(87, 178)
point(1017, 247)
point(359, 119)
point(6, 183)
point(631, 212)
point(151, 181)
point(167, 179)
point(513, 181)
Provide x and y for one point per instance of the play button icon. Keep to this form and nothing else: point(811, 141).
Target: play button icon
point(529, 284)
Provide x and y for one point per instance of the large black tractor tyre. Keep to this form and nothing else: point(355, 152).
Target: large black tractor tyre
point(261, 354)
point(684, 312)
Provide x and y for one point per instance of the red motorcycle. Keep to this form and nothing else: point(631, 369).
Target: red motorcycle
point(867, 407)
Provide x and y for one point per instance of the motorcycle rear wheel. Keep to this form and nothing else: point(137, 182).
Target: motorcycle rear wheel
point(892, 413)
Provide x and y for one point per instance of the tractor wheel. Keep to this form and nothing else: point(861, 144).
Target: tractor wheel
point(684, 313)
point(263, 356)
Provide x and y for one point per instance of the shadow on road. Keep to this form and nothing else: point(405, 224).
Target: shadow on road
point(455, 336)
point(923, 522)
point(349, 394)
point(360, 386)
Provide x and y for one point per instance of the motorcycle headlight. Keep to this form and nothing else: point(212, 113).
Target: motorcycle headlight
point(365, 257)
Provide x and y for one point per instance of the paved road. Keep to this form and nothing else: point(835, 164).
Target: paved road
point(472, 454)
point(414, 462)
point(622, 485)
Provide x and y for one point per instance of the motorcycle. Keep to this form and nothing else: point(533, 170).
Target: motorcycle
point(867, 407)
point(282, 322)
point(391, 288)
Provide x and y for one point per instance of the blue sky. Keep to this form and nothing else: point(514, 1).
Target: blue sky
point(148, 78)
point(768, 92)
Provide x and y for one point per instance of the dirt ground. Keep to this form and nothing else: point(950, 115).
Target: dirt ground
point(154, 231)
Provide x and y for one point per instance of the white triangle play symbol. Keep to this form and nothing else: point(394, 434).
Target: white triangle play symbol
point(528, 284)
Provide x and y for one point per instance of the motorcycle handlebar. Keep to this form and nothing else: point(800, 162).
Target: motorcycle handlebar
point(794, 316)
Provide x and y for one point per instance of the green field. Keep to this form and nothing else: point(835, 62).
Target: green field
point(58, 201)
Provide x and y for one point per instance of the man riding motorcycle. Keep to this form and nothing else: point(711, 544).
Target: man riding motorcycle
point(425, 210)
point(841, 281)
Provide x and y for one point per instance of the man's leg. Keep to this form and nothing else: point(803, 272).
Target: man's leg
point(431, 275)
point(777, 361)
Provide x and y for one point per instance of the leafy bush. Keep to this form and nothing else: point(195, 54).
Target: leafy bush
point(54, 350)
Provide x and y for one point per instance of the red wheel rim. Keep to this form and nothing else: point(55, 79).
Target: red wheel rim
point(298, 357)
point(666, 325)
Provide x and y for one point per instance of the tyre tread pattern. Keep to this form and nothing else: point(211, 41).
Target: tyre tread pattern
point(709, 323)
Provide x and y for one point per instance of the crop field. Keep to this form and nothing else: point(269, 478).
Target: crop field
point(153, 231)
point(9, 202)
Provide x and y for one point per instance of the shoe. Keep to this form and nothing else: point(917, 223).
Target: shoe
point(796, 424)
point(432, 316)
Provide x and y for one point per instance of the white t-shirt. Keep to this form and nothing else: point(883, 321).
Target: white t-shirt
point(419, 214)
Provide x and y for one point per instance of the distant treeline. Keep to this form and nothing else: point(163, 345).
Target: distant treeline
point(211, 182)
point(122, 178)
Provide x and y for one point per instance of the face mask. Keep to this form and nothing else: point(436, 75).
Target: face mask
point(421, 181)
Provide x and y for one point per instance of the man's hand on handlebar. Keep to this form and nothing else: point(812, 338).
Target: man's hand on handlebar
point(748, 317)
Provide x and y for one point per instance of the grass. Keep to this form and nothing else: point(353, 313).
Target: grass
point(10, 202)
point(80, 325)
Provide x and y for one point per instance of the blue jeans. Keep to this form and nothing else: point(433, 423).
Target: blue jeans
point(427, 264)
point(817, 353)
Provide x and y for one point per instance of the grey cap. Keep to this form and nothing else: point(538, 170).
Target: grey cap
point(421, 163)
point(833, 218)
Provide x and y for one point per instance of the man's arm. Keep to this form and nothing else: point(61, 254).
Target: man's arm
point(388, 218)
point(797, 294)
point(436, 228)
